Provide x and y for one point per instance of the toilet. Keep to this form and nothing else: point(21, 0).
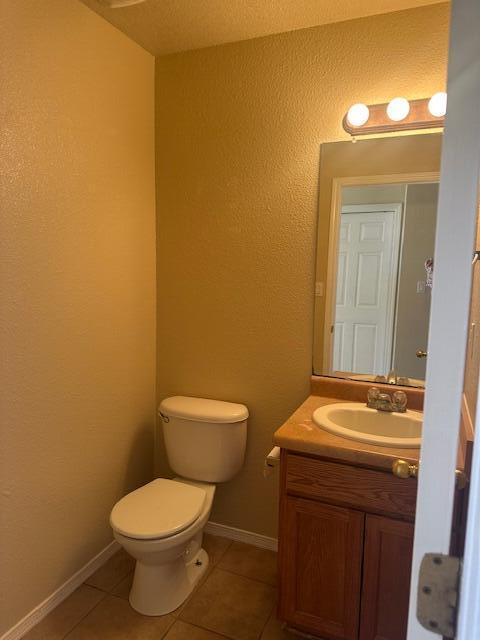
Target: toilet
point(161, 524)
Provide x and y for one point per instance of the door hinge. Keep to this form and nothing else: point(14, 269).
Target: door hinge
point(438, 593)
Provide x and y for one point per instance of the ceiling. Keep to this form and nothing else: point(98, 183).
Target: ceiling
point(169, 26)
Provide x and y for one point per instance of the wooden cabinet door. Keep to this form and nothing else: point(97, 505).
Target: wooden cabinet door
point(386, 578)
point(321, 562)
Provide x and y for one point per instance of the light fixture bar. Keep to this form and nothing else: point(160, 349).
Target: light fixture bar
point(117, 4)
point(419, 117)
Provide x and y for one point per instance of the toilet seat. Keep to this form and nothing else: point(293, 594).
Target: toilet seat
point(159, 509)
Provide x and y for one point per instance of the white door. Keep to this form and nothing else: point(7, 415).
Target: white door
point(368, 250)
point(454, 245)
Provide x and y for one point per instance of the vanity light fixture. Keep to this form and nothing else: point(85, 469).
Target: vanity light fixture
point(397, 115)
point(117, 4)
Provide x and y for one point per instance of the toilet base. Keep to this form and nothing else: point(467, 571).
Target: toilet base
point(160, 589)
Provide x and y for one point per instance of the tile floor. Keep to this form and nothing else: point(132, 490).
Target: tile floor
point(236, 600)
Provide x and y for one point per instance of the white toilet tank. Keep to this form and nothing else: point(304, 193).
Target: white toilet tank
point(205, 439)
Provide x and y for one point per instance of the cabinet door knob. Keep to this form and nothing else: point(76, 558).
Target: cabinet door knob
point(403, 469)
point(421, 354)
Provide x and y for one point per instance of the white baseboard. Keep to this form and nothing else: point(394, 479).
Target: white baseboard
point(68, 587)
point(240, 535)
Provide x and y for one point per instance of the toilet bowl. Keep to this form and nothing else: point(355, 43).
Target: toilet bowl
point(161, 524)
point(169, 555)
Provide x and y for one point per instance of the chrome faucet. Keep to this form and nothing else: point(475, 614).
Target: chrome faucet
point(397, 402)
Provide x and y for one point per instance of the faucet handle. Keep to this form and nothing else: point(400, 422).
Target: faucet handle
point(392, 377)
point(385, 397)
point(372, 396)
point(399, 399)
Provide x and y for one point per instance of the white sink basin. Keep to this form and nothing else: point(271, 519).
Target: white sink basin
point(356, 421)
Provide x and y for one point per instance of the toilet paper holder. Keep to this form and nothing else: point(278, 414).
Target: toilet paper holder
point(272, 460)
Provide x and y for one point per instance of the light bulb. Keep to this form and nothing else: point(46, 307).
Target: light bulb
point(358, 114)
point(437, 105)
point(398, 109)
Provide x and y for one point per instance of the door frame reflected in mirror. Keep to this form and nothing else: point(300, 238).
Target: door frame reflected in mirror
point(332, 259)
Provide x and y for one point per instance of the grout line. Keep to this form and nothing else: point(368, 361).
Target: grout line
point(198, 626)
point(121, 580)
point(241, 575)
point(269, 617)
point(167, 630)
point(95, 586)
point(230, 542)
point(113, 595)
point(88, 612)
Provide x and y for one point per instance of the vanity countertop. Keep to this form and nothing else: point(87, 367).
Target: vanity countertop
point(300, 434)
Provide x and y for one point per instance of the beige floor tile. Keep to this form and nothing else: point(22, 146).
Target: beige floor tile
point(215, 546)
point(112, 572)
point(184, 631)
point(251, 562)
point(114, 619)
point(232, 605)
point(68, 614)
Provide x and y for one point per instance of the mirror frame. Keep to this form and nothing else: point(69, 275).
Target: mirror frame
point(334, 226)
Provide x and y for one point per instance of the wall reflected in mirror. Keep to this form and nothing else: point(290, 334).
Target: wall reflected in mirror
point(373, 286)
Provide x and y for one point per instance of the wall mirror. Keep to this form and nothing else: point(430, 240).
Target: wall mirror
point(376, 235)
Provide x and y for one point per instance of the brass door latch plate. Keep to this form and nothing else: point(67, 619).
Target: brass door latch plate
point(438, 585)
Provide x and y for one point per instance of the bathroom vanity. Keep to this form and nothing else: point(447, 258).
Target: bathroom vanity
point(348, 467)
point(346, 527)
point(335, 519)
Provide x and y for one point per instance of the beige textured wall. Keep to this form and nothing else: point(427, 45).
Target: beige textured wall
point(239, 129)
point(77, 307)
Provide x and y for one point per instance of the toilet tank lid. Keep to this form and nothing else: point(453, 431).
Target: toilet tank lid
point(203, 409)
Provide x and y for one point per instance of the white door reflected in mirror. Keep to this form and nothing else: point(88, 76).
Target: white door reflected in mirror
point(381, 311)
point(368, 252)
